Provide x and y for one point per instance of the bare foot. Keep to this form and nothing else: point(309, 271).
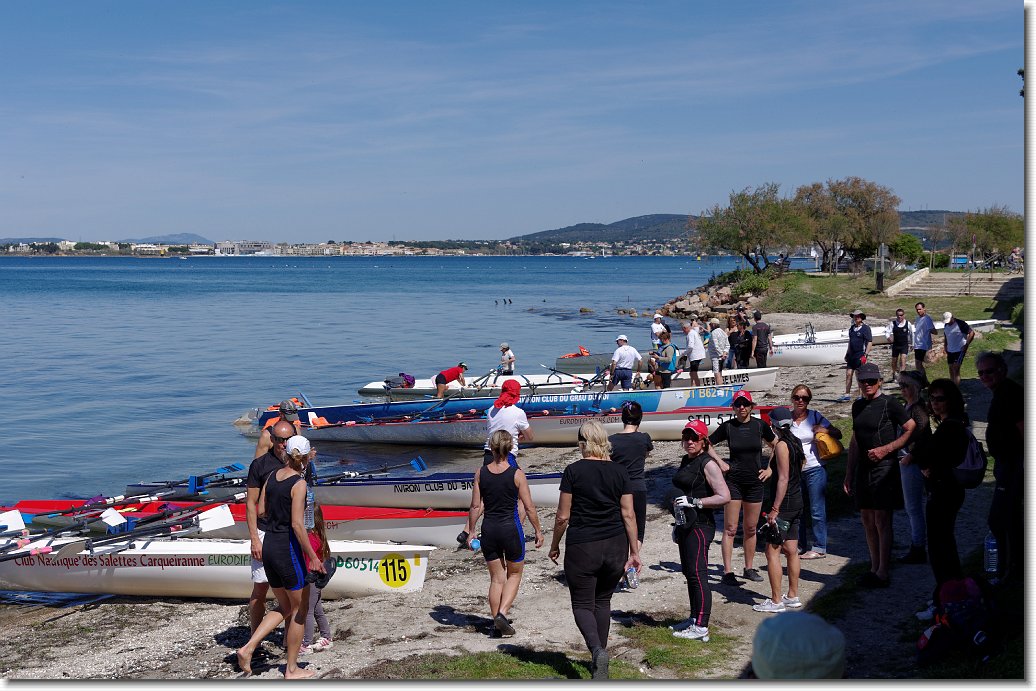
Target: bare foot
point(299, 673)
point(244, 661)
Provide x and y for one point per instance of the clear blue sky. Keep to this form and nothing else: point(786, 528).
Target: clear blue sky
point(312, 121)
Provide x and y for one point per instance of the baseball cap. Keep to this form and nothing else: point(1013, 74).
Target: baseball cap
point(780, 416)
point(859, 312)
point(504, 346)
point(868, 370)
point(742, 394)
point(714, 321)
point(947, 317)
point(699, 428)
point(798, 645)
point(298, 445)
point(622, 337)
point(657, 316)
point(289, 411)
point(462, 365)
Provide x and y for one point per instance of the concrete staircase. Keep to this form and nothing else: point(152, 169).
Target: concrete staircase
point(1001, 287)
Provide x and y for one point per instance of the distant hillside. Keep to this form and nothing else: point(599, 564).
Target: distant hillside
point(18, 241)
point(174, 239)
point(639, 228)
point(923, 219)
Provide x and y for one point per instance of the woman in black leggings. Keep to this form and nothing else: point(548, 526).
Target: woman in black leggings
point(701, 481)
point(596, 510)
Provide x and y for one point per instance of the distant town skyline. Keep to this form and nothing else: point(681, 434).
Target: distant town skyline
point(314, 121)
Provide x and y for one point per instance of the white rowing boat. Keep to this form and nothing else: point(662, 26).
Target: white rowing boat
point(877, 333)
point(559, 382)
point(204, 568)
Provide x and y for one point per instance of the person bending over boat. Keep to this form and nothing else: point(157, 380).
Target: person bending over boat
point(442, 379)
point(499, 486)
point(285, 549)
point(595, 508)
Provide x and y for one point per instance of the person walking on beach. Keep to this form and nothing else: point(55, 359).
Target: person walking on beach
point(695, 351)
point(700, 479)
point(630, 449)
point(924, 329)
point(805, 425)
point(912, 385)
point(745, 475)
point(499, 486)
point(316, 620)
point(856, 352)
point(442, 379)
point(957, 337)
point(718, 347)
point(881, 427)
point(762, 339)
point(287, 410)
point(285, 549)
point(900, 333)
point(1005, 439)
point(787, 506)
point(505, 415)
point(595, 510)
point(507, 359)
point(621, 368)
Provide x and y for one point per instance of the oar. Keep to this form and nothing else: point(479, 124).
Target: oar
point(73, 528)
point(193, 479)
point(305, 400)
point(111, 502)
point(163, 515)
point(417, 464)
point(574, 376)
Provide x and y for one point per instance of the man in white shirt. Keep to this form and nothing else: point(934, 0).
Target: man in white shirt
point(623, 360)
point(657, 327)
point(506, 415)
point(507, 359)
point(695, 351)
point(719, 344)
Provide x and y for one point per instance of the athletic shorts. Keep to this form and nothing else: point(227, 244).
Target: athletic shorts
point(502, 540)
point(745, 487)
point(900, 350)
point(284, 561)
point(258, 572)
point(667, 379)
point(440, 379)
point(920, 353)
point(955, 358)
point(717, 364)
point(854, 362)
point(793, 516)
point(692, 365)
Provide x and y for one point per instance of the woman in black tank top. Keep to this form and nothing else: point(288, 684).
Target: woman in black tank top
point(285, 547)
point(497, 490)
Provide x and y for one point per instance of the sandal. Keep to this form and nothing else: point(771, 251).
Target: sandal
point(812, 555)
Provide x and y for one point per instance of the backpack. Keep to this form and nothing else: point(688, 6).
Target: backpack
point(403, 381)
point(962, 621)
point(972, 470)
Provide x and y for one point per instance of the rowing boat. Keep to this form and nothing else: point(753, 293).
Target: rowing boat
point(437, 491)
point(204, 568)
point(759, 380)
point(420, 526)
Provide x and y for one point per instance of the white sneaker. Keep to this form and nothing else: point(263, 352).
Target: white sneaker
point(926, 614)
point(769, 605)
point(685, 624)
point(843, 398)
point(693, 633)
point(791, 602)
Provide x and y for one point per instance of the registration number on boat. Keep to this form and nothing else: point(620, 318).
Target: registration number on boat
point(393, 569)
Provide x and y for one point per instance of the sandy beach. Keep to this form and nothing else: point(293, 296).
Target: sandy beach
point(159, 638)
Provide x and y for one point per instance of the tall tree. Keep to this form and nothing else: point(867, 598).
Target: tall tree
point(870, 213)
point(993, 231)
point(754, 222)
point(826, 227)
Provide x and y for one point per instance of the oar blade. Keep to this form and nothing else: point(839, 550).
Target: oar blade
point(112, 517)
point(418, 464)
point(12, 521)
point(215, 519)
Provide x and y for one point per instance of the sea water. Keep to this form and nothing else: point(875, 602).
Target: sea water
point(126, 369)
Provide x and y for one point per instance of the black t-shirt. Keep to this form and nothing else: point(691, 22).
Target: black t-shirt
point(761, 332)
point(793, 494)
point(260, 469)
point(745, 441)
point(596, 488)
point(942, 452)
point(1003, 439)
point(629, 449)
point(691, 480)
point(876, 422)
point(858, 339)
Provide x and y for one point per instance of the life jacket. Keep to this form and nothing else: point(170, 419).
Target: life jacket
point(274, 420)
point(583, 352)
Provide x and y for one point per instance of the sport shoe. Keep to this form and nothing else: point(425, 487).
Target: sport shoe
point(693, 633)
point(769, 605)
point(305, 649)
point(503, 625)
point(599, 666)
point(926, 614)
point(322, 644)
point(843, 398)
point(752, 575)
point(729, 579)
point(791, 602)
point(680, 626)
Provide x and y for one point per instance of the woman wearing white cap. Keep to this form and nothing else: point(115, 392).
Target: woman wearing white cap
point(957, 335)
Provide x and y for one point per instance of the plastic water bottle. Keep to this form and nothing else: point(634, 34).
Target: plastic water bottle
point(309, 520)
point(631, 578)
point(992, 558)
point(678, 514)
point(475, 544)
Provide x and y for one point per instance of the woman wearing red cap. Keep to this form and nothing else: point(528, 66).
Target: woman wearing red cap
point(701, 481)
point(745, 475)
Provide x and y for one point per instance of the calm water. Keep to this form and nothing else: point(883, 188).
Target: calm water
point(133, 369)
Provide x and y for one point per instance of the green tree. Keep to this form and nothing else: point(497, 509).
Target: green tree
point(993, 231)
point(825, 226)
point(753, 223)
point(906, 248)
point(871, 216)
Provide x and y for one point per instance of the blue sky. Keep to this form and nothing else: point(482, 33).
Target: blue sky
point(312, 121)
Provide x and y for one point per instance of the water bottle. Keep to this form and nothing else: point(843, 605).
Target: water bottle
point(475, 544)
point(309, 520)
point(631, 578)
point(678, 514)
point(992, 558)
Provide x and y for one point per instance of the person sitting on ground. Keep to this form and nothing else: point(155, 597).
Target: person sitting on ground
point(443, 379)
point(499, 486)
point(797, 645)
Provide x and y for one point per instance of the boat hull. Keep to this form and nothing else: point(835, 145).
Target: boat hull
point(207, 568)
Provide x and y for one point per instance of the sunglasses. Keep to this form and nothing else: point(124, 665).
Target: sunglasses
point(278, 440)
point(741, 403)
point(690, 436)
point(869, 382)
point(800, 398)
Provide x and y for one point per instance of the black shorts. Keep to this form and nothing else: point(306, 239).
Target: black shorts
point(900, 350)
point(854, 362)
point(503, 540)
point(745, 487)
point(793, 516)
point(920, 353)
point(667, 378)
point(440, 379)
point(955, 358)
point(692, 365)
point(284, 561)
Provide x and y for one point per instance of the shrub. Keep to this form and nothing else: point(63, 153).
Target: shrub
point(1018, 316)
point(753, 283)
point(941, 260)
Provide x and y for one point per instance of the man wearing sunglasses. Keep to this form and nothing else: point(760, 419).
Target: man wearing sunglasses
point(259, 470)
point(287, 410)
